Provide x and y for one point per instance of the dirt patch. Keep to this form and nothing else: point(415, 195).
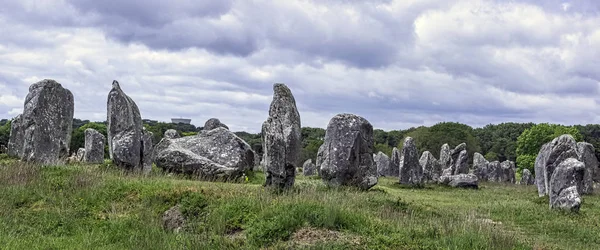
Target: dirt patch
point(311, 236)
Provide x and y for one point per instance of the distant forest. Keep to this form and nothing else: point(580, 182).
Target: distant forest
point(517, 142)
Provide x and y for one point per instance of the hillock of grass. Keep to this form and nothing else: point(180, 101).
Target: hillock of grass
point(101, 207)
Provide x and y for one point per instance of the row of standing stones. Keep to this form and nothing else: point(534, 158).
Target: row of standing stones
point(564, 169)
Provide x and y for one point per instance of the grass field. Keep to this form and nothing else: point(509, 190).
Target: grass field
point(100, 207)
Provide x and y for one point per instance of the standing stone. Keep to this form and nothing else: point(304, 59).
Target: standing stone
point(171, 134)
point(586, 153)
point(94, 146)
point(560, 149)
point(282, 139)
point(124, 130)
point(480, 165)
point(147, 148)
point(15, 141)
point(494, 172)
point(527, 178)
point(461, 166)
point(213, 123)
point(394, 169)
point(383, 163)
point(507, 172)
point(564, 183)
point(346, 156)
point(460, 181)
point(48, 122)
point(80, 154)
point(540, 169)
point(309, 168)
point(455, 153)
point(411, 172)
point(445, 157)
point(431, 167)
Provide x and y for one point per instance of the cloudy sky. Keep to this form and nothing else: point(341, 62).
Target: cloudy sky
point(398, 63)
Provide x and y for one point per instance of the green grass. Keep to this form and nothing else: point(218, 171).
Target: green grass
point(100, 207)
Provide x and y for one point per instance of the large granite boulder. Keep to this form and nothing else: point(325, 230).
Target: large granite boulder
point(15, 140)
point(212, 154)
point(461, 166)
point(383, 163)
point(171, 134)
point(395, 159)
point(431, 167)
point(586, 154)
point(94, 146)
point(565, 184)
point(213, 123)
point(346, 156)
point(480, 167)
point(411, 172)
point(527, 178)
point(124, 130)
point(445, 157)
point(282, 139)
point(47, 121)
point(560, 149)
point(460, 181)
point(540, 168)
point(507, 172)
point(494, 171)
point(309, 168)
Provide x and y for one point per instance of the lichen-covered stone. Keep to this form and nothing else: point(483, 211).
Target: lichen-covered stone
point(461, 166)
point(565, 183)
point(395, 159)
point(213, 123)
point(94, 146)
point(586, 154)
point(431, 167)
point(383, 163)
point(171, 134)
point(15, 141)
point(309, 168)
point(346, 156)
point(411, 172)
point(526, 178)
point(460, 181)
point(480, 167)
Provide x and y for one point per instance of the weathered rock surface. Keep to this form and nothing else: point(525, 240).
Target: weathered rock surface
point(553, 154)
point(94, 146)
point(346, 156)
point(15, 141)
point(173, 220)
point(480, 167)
point(527, 178)
point(445, 157)
point(431, 167)
point(586, 154)
point(216, 153)
point(171, 134)
point(147, 150)
point(565, 182)
point(507, 172)
point(383, 163)
point(80, 154)
point(47, 122)
point(461, 166)
point(213, 123)
point(282, 139)
point(309, 168)
point(411, 172)
point(460, 180)
point(494, 172)
point(124, 130)
point(395, 159)
point(540, 168)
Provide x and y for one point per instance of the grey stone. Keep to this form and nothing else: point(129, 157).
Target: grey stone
point(445, 157)
point(461, 166)
point(309, 168)
point(383, 163)
point(282, 139)
point(124, 130)
point(540, 168)
point(507, 172)
point(431, 167)
point(460, 180)
point(80, 154)
point(15, 141)
point(494, 172)
point(213, 123)
point(394, 169)
point(173, 220)
point(586, 153)
point(94, 146)
point(480, 167)
point(560, 149)
point(527, 178)
point(217, 154)
point(566, 179)
point(171, 134)
point(411, 172)
point(346, 156)
point(48, 122)
point(147, 150)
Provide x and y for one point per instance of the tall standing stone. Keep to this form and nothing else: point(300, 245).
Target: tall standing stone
point(346, 156)
point(15, 141)
point(147, 148)
point(564, 183)
point(48, 122)
point(383, 163)
point(480, 167)
point(411, 172)
point(508, 172)
point(552, 155)
point(94, 146)
point(213, 123)
point(461, 166)
point(494, 172)
point(445, 156)
point(586, 153)
point(431, 167)
point(394, 169)
point(282, 139)
point(540, 169)
point(124, 130)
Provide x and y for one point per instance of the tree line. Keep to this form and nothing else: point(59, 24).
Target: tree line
point(518, 142)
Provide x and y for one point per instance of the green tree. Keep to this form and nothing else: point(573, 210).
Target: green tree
point(4, 134)
point(532, 139)
point(501, 139)
point(431, 139)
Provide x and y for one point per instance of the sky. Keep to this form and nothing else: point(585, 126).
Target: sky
point(398, 63)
